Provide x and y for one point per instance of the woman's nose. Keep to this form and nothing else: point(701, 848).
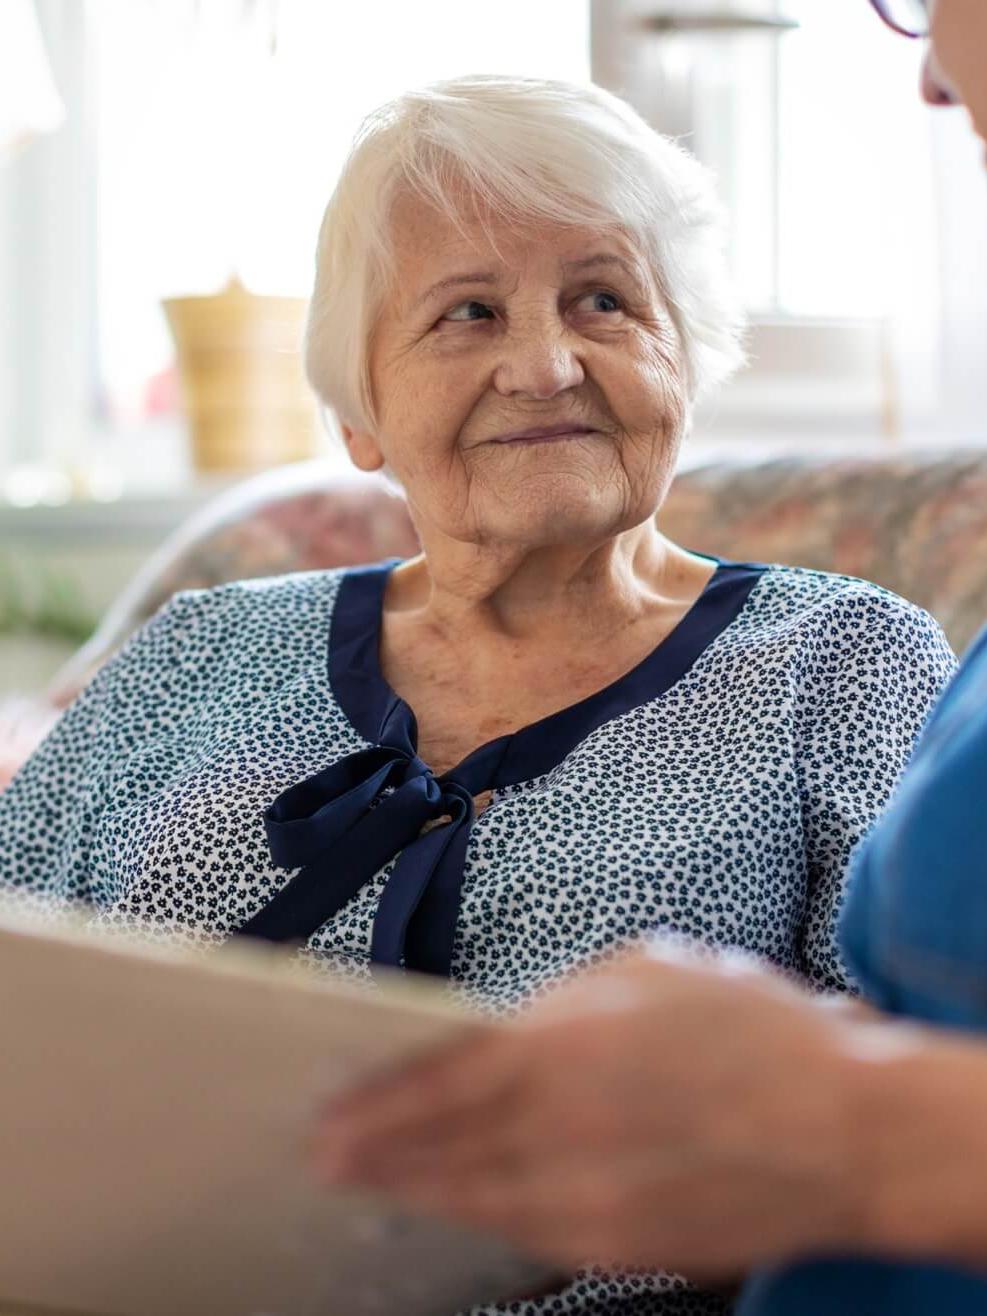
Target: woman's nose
point(935, 87)
point(539, 362)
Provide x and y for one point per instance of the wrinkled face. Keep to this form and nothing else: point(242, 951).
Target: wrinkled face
point(528, 384)
point(958, 58)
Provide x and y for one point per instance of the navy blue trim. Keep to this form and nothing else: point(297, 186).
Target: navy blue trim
point(342, 825)
point(354, 653)
point(375, 710)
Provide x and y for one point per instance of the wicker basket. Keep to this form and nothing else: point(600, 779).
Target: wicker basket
point(239, 358)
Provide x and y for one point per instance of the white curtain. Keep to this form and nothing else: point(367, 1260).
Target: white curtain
point(29, 101)
point(47, 244)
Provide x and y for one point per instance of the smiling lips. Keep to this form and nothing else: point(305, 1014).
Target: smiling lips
point(545, 434)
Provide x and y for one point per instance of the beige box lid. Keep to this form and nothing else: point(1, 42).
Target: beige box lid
point(154, 1112)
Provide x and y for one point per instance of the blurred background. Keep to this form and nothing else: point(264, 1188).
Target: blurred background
point(164, 165)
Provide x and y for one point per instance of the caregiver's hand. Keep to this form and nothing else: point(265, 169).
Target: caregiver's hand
point(696, 1114)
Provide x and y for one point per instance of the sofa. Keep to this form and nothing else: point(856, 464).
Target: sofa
point(914, 521)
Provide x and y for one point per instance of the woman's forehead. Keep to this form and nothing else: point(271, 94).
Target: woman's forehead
point(429, 244)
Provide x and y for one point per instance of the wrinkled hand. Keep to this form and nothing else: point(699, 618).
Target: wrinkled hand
point(683, 1113)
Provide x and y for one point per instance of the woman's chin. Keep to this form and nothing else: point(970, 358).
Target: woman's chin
point(562, 516)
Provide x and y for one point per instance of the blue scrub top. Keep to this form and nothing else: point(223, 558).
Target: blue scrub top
point(914, 929)
point(914, 933)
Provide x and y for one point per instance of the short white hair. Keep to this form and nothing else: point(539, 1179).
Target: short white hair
point(524, 150)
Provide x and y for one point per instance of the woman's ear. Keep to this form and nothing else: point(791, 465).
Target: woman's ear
point(365, 454)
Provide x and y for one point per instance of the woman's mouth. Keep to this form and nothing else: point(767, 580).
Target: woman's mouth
point(546, 434)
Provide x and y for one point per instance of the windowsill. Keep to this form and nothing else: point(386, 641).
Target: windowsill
point(138, 476)
point(753, 446)
point(137, 482)
point(131, 515)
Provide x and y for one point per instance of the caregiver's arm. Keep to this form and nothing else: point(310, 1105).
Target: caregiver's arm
point(922, 1114)
point(698, 1114)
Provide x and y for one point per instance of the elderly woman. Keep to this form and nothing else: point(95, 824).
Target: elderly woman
point(554, 730)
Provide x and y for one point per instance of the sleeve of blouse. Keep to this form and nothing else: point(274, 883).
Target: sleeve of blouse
point(874, 669)
point(50, 810)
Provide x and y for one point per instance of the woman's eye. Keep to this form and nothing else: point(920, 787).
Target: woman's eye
point(469, 311)
point(606, 302)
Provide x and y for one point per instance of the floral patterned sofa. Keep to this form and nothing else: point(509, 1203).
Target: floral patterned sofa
point(915, 522)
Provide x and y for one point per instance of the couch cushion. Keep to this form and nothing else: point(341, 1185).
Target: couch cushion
point(915, 522)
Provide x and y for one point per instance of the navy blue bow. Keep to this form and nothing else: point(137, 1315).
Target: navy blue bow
point(344, 824)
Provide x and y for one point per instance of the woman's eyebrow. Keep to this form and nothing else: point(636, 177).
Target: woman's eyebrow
point(490, 277)
point(456, 281)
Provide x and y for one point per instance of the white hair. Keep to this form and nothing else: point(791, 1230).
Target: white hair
point(524, 150)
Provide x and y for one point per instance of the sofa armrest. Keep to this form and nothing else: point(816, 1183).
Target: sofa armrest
point(303, 517)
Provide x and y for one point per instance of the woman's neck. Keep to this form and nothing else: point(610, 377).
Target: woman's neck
point(547, 594)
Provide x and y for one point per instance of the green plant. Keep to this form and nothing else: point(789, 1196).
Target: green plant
point(42, 601)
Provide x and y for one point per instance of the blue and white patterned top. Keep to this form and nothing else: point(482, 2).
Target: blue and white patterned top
point(243, 766)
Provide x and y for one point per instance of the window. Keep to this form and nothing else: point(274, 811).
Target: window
point(203, 139)
point(808, 112)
